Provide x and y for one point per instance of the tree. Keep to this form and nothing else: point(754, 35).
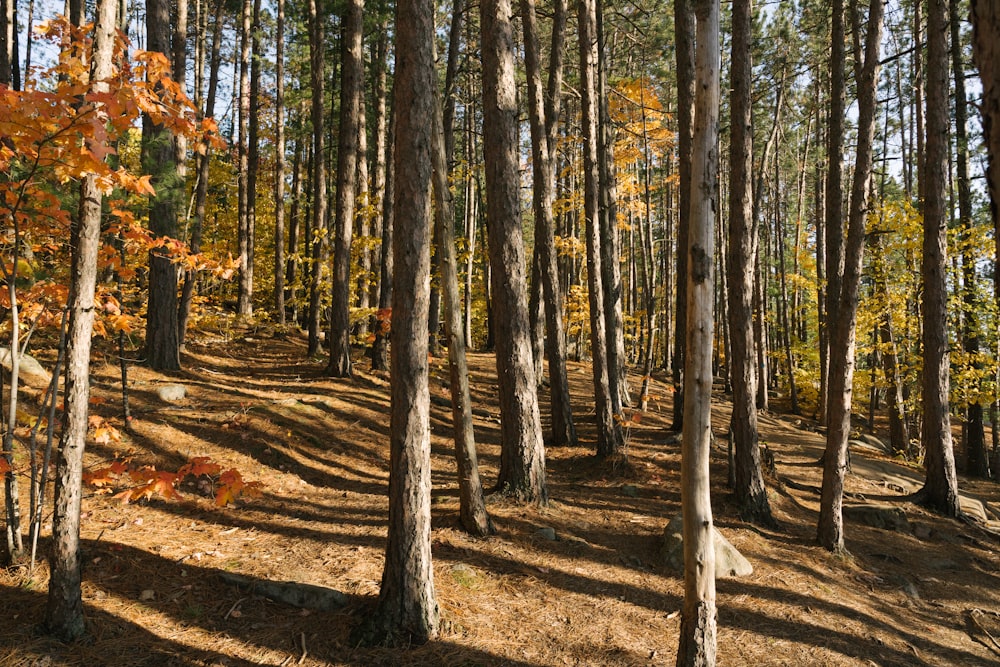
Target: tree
point(940, 490)
point(609, 436)
point(407, 610)
point(543, 111)
point(351, 88)
point(246, 198)
point(317, 244)
point(279, 167)
point(64, 612)
point(751, 495)
point(522, 455)
point(697, 644)
point(159, 160)
point(844, 336)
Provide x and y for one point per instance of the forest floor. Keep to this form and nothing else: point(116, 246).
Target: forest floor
point(598, 594)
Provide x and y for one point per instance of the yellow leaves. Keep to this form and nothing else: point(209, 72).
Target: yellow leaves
point(232, 486)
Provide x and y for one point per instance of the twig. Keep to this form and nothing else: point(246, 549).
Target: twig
point(302, 659)
point(233, 608)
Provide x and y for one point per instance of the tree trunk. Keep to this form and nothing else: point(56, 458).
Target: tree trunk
point(159, 160)
point(244, 303)
point(407, 610)
point(610, 443)
point(522, 456)
point(351, 85)
point(697, 645)
point(940, 490)
point(543, 112)
point(751, 494)
point(317, 240)
point(279, 166)
point(64, 611)
point(684, 30)
point(843, 339)
point(380, 347)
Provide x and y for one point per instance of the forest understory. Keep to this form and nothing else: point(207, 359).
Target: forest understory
point(158, 588)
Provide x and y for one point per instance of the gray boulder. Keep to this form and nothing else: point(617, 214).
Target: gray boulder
point(171, 393)
point(29, 371)
point(728, 561)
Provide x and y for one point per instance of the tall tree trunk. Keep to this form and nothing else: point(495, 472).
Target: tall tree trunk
point(940, 490)
point(279, 166)
point(407, 610)
point(244, 304)
point(317, 240)
point(522, 455)
point(472, 507)
point(986, 53)
point(609, 436)
point(751, 494)
point(159, 160)
point(64, 611)
point(351, 85)
point(380, 347)
point(684, 31)
point(834, 223)
point(843, 339)
point(697, 645)
point(543, 112)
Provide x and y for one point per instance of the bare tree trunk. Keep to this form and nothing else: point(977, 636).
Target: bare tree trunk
point(279, 166)
point(351, 84)
point(543, 112)
point(751, 494)
point(697, 645)
point(843, 341)
point(317, 240)
point(610, 443)
point(940, 490)
point(407, 610)
point(380, 347)
point(64, 611)
point(522, 456)
point(244, 304)
point(159, 160)
point(684, 30)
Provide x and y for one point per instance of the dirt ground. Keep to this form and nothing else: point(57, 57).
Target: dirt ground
point(599, 594)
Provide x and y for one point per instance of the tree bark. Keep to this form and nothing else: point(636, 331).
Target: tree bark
point(843, 340)
point(279, 166)
point(940, 490)
point(543, 111)
point(407, 610)
point(751, 494)
point(317, 241)
point(351, 85)
point(697, 645)
point(244, 305)
point(522, 456)
point(64, 611)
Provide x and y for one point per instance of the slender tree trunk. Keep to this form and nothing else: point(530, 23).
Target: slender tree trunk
point(684, 31)
point(843, 340)
point(280, 166)
point(64, 611)
point(407, 610)
point(543, 112)
point(244, 304)
point(609, 436)
point(380, 347)
point(522, 456)
point(751, 494)
point(317, 240)
point(940, 490)
point(697, 645)
point(351, 80)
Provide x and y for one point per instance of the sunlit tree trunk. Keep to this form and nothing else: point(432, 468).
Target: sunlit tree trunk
point(244, 303)
point(697, 644)
point(316, 242)
point(64, 611)
point(940, 490)
point(279, 166)
point(522, 456)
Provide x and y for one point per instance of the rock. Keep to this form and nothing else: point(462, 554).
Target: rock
point(728, 561)
point(875, 442)
point(867, 446)
point(630, 490)
point(921, 531)
point(29, 371)
point(171, 393)
point(546, 533)
point(147, 595)
point(304, 596)
point(885, 517)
